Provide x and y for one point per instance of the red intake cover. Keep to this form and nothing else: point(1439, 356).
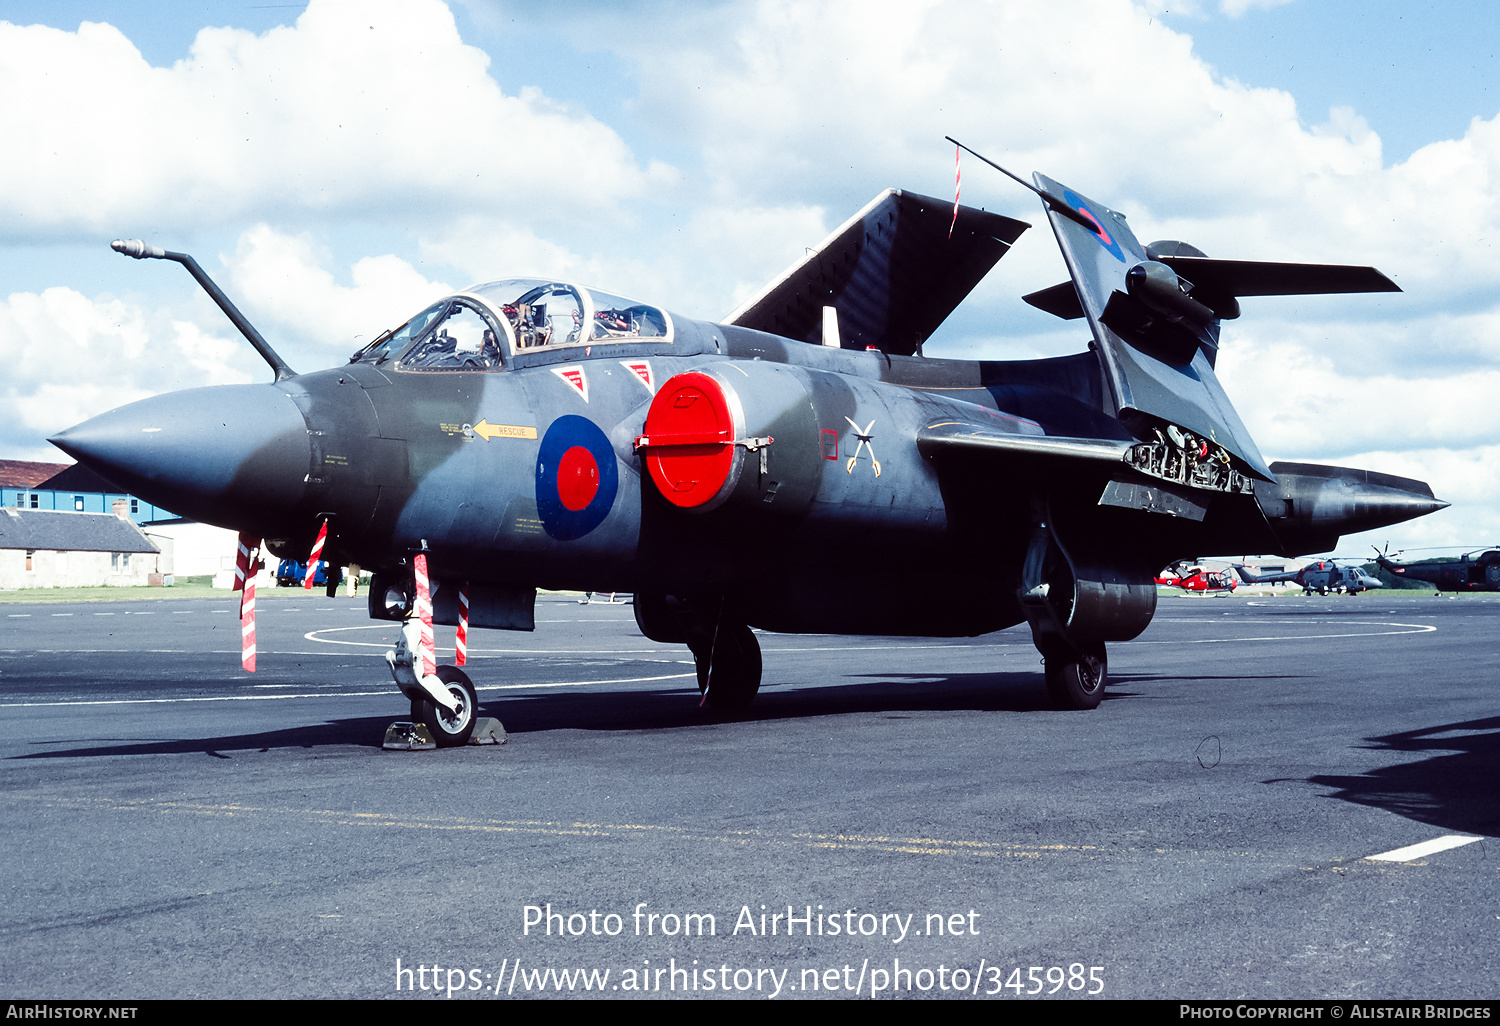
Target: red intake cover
point(689, 439)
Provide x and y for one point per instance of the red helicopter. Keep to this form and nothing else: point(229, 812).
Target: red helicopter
point(1190, 576)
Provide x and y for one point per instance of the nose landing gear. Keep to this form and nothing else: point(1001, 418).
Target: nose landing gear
point(449, 728)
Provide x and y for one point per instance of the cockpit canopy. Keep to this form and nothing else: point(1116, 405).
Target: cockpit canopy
point(476, 329)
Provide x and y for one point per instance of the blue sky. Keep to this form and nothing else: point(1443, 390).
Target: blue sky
point(334, 167)
point(1417, 70)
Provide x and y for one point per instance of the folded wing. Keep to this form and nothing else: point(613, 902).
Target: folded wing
point(892, 271)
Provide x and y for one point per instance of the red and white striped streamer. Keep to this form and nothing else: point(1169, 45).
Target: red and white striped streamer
point(957, 181)
point(424, 610)
point(247, 612)
point(461, 656)
point(247, 545)
point(315, 555)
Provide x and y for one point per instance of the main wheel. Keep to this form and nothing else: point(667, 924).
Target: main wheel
point(449, 730)
point(1075, 680)
point(730, 675)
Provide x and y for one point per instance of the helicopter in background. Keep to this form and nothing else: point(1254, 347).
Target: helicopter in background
point(1325, 576)
point(1477, 570)
point(1192, 577)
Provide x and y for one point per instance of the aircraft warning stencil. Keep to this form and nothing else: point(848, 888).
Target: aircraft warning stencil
point(575, 377)
point(642, 370)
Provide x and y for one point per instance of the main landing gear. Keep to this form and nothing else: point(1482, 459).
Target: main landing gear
point(724, 648)
point(1076, 678)
point(1075, 599)
point(728, 667)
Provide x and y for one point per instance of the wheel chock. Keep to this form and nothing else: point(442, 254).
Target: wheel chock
point(403, 736)
point(488, 731)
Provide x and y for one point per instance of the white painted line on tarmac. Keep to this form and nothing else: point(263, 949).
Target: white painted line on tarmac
point(1405, 628)
point(583, 683)
point(1412, 852)
point(173, 701)
point(391, 691)
point(384, 645)
point(956, 643)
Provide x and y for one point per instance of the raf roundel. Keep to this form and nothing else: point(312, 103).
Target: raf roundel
point(576, 478)
point(1076, 201)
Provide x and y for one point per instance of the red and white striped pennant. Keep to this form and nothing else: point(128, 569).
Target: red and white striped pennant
point(247, 545)
point(461, 655)
point(247, 610)
point(315, 555)
point(424, 610)
point(957, 181)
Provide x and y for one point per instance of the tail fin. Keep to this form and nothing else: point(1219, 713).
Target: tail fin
point(1152, 337)
point(1155, 312)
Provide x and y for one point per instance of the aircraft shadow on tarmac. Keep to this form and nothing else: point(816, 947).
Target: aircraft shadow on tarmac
point(1454, 791)
point(368, 731)
point(647, 710)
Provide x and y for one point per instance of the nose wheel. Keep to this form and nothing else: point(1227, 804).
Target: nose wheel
point(1076, 678)
point(449, 730)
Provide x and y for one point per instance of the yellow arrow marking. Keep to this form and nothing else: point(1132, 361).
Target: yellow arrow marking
point(484, 429)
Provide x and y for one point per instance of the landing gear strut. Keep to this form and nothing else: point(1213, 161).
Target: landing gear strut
point(724, 647)
point(444, 701)
point(1076, 599)
point(728, 667)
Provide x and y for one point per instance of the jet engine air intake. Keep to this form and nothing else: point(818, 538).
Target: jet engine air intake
point(689, 441)
point(707, 442)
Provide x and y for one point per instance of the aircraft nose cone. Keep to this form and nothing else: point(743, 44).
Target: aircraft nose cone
point(236, 456)
point(1382, 507)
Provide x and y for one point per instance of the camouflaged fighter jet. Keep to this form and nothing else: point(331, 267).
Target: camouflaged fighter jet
point(799, 467)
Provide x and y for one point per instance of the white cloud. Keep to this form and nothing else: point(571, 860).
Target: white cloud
point(69, 357)
point(823, 102)
point(717, 255)
point(799, 112)
point(1297, 403)
point(373, 109)
point(287, 291)
point(803, 100)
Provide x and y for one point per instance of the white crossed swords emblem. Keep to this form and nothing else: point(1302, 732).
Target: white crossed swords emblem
point(865, 438)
